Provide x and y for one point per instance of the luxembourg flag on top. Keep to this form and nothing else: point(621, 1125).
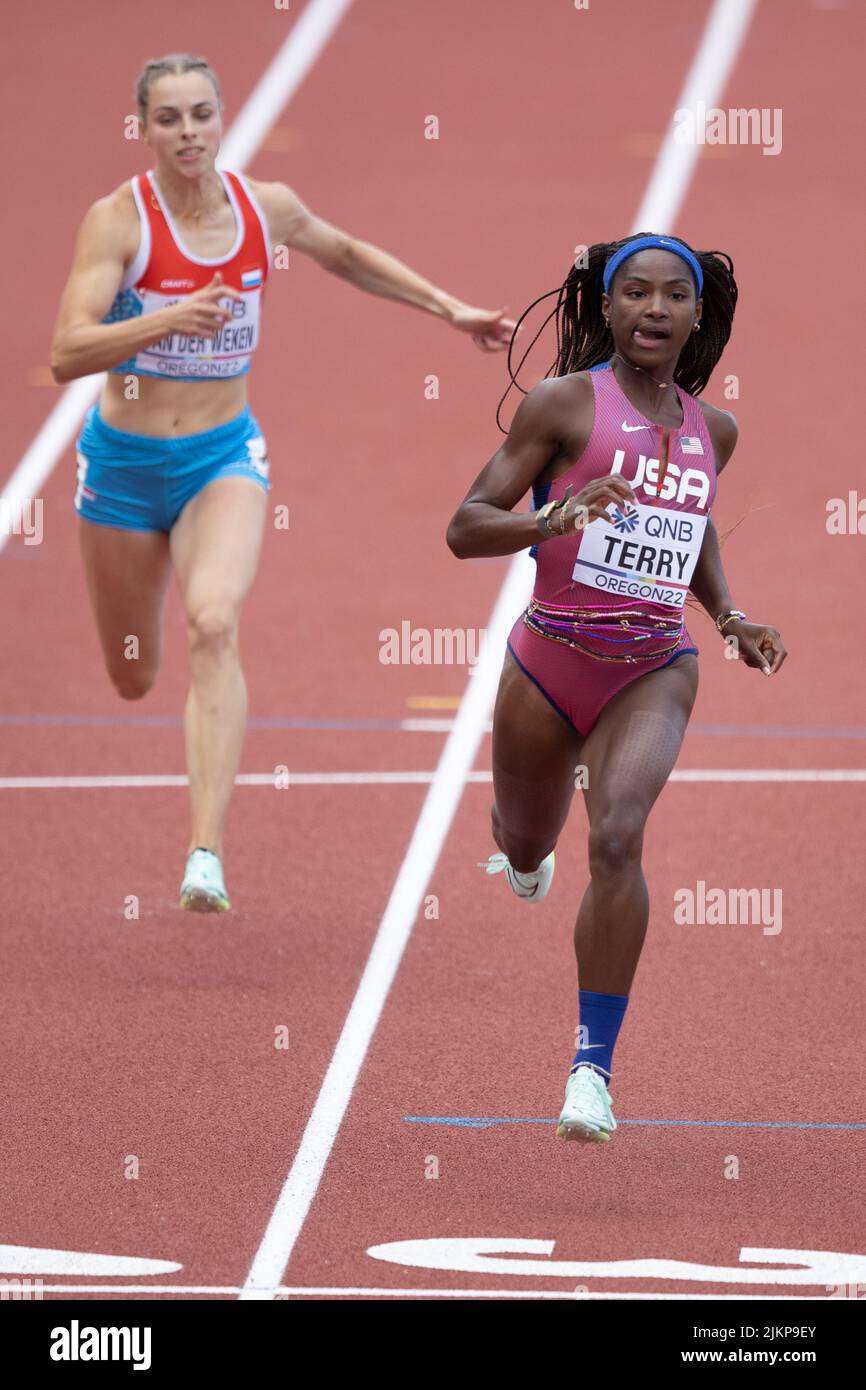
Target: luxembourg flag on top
point(250, 279)
point(690, 444)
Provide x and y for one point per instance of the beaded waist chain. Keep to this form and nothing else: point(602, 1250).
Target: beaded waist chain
point(625, 630)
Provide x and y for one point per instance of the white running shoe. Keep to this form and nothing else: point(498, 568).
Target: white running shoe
point(532, 886)
point(203, 889)
point(586, 1114)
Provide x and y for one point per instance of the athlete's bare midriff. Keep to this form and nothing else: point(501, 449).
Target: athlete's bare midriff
point(169, 408)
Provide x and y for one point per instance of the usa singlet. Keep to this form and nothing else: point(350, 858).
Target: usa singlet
point(608, 600)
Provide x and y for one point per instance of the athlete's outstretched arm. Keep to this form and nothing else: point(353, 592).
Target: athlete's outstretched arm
point(293, 224)
point(757, 644)
point(484, 523)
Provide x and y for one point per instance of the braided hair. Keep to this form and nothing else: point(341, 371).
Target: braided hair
point(583, 339)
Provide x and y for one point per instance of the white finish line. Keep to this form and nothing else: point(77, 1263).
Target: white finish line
point(405, 779)
point(287, 1291)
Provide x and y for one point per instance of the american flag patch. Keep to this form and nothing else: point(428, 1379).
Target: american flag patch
point(690, 444)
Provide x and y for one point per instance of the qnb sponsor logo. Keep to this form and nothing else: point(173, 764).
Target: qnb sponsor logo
point(77, 1343)
point(703, 906)
point(680, 484)
point(739, 125)
point(424, 646)
point(22, 518)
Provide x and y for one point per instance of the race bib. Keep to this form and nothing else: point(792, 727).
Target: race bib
point(226, 354)
point(641, 553)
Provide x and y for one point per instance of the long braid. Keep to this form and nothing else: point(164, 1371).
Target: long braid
point(583, 339)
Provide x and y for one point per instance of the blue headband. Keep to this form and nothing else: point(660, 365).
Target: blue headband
point(643, 243)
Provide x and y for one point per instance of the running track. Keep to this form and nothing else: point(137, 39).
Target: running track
point(155, 1038)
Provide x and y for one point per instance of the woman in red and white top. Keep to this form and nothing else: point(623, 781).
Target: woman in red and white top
point(165, 296)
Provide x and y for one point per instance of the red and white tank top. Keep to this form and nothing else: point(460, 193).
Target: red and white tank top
point(163, 272)
point(646, 553)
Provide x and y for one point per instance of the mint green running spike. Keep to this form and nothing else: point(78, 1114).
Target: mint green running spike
point(203, 889)
point(586, 1115)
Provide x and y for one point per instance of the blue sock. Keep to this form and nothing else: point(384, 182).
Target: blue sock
point(601, 1017)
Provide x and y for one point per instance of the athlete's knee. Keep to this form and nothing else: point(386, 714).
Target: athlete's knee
point(615, 842)
point(213, 625)
point(133, 683)
point(525, 851)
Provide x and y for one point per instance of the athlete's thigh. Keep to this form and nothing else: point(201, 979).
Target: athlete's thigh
point(216, 542)
point(535, 753)
point(127, 575)
point(631, 750)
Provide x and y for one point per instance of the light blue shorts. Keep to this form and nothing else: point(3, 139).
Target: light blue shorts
point(142, 482)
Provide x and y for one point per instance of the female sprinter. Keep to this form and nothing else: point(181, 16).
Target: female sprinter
point(165, 293)
point(601, 674)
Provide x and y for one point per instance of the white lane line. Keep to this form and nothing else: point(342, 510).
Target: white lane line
point(435, 726)
point(711, 66)
point(275, 87)
point(434, 822)
point(287, 1291)
point(40, 459)
point(281, 80)
point(720, 43)
point(409, 779)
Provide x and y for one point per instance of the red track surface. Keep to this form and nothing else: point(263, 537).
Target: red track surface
point(155, 1038)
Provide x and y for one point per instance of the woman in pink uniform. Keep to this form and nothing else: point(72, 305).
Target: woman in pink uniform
point(601, 674)
point(165, 295)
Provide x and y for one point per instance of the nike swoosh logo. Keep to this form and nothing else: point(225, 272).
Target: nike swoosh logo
point(522, 890)
point(587, 1046)
point(630, 429)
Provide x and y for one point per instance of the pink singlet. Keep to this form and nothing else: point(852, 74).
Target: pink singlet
point(618, 578)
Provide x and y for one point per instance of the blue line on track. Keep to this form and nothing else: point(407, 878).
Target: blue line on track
point(489, 1121)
